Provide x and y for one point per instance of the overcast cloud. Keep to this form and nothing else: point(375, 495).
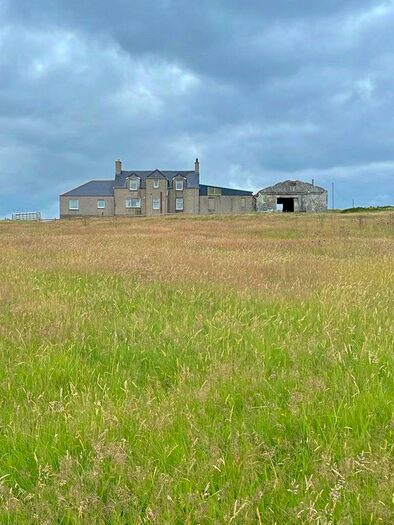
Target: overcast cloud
point(259, 90)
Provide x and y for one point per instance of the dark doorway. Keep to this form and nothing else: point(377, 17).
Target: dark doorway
point(287, 202)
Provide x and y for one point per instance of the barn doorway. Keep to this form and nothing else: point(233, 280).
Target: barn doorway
point(287, 203)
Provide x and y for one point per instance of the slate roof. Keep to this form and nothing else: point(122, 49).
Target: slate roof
point(93, 188)
point(292, 186)
point(225, 191)
point(105, 188)
point(191, 177)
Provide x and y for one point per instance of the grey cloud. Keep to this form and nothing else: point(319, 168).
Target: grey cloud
point(258, 90)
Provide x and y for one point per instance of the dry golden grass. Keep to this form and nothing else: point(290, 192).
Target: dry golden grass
point(273, 254)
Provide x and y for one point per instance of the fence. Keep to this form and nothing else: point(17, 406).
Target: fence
point(27, 216)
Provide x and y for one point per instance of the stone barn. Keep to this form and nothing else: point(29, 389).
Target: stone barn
point(292, 196)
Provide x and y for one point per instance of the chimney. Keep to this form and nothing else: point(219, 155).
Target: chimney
point(197, 167)
point(313, 182)
point(118, 167)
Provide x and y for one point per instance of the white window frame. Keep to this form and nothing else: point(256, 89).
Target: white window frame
point(156, 183)
point(179, 185)
point(179, 204)
point(99, 202)
point(155, 204)
point(75, 207)
point(133, 182)
point(137, 204)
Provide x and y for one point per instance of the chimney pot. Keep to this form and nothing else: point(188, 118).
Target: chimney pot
point(197, 167)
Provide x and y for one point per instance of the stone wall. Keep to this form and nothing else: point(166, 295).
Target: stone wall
point(122, 194)
point(315, 202)
point(311, 202)
point(87, 207)
point(222, 204)
point(192, 203)
point(167, 199)
point(160, 193)
point(190, 200)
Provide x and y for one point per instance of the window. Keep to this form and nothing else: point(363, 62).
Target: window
point(214, 191)
point(155, 183)
point(133, 184)
point(73, 204)
point(101, 204)
point(133, 203)
point(156, 204)
point(179, 185)
point(179, 204)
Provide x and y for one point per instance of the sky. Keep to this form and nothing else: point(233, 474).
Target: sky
point(259, 90)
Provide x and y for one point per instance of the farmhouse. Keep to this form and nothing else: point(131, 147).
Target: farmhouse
point(292, 196)
point(156, 192)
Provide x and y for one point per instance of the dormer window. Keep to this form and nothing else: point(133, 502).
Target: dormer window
point(133, 184)
point(155, 183)
point(179, 185)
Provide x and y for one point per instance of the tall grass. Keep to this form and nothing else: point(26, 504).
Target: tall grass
point(197, 371)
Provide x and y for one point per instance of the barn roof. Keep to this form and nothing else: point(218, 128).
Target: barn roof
point(224, 191)
point(292, 186)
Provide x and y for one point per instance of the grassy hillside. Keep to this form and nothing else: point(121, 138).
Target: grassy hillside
point(368, 209)
point(197, 371)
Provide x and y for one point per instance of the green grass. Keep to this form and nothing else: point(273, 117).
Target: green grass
point(359, 209)
point(127, 399)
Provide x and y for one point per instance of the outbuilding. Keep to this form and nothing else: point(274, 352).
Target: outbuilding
point(292, 196)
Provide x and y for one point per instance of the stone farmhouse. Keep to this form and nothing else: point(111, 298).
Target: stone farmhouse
point(292, 196)
point(148, 193)
point(158, 192)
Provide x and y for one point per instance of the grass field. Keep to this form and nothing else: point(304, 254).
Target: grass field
point(198, 371)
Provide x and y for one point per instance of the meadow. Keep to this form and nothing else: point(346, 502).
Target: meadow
point(234, 370)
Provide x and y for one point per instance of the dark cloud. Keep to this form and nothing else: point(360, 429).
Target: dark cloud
point(259, 90)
